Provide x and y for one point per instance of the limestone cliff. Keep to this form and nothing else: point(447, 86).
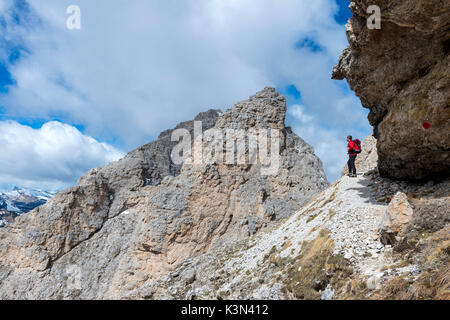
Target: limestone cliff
point(132, 222)
point(401, 72)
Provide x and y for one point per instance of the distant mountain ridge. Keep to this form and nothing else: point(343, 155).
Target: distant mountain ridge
point(19, 201)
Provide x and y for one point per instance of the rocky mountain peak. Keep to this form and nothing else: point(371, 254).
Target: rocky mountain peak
point(265, 109)
point(144, 215)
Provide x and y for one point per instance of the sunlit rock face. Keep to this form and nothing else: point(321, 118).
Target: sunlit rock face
point(401, 73)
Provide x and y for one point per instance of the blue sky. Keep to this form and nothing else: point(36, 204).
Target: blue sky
point(134, 70)
point(344, 12)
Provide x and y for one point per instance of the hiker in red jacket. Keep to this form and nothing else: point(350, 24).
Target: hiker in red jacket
point(353, 150)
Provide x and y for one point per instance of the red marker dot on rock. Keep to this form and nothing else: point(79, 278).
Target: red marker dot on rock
point(426, 125)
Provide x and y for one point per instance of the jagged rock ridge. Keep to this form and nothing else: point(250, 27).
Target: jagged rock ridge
point(402, 74)
point(129, 223)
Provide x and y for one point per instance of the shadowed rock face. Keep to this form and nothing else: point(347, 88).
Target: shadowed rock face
point(133, 221)
point(402, 74)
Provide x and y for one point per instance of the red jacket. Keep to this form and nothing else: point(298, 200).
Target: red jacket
point(352, 147)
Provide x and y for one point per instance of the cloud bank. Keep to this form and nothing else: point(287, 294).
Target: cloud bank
point(50, 157)
point(138, 67)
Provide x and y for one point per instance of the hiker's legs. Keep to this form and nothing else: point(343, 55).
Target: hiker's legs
point(351, 165)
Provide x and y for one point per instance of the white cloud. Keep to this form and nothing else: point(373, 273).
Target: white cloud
point(51, 157)
point(135, 68)
point(298, 111)
point(139, 67)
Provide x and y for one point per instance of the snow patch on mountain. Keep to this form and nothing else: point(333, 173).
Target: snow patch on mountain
point(19, 201)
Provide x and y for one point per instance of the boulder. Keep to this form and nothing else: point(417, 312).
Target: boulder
point(396, 219)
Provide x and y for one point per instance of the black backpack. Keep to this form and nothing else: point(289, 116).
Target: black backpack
point(358, 143)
